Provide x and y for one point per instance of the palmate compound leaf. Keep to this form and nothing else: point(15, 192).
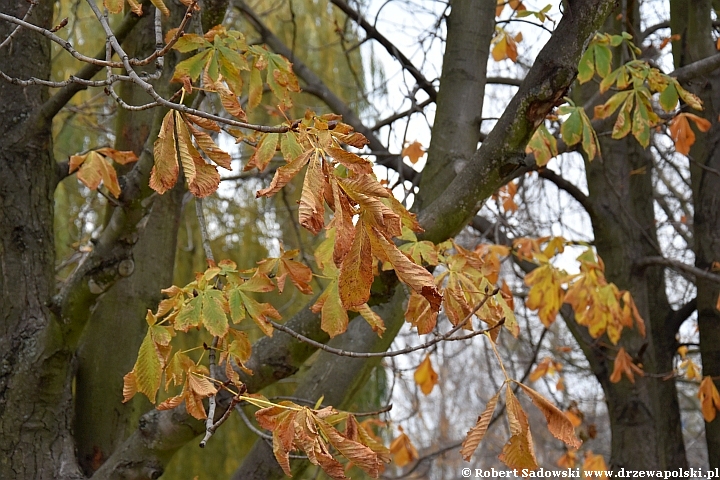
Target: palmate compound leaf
point(240, 303)
point(476, 433)
point(95, 168)
point(558, 423)
point(681, 132)
point(709, 398)
point(546, 293)
point(624, 365)
point(283, 267)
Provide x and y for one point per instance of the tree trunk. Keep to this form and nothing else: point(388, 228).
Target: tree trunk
point(35, 401)
point(102, 421)
point(693, 22)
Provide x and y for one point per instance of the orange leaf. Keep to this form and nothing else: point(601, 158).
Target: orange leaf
point(709, 398)
point(624, 366)
point(402, 450)
point(593, 463)
point(682, 134)
point(425, 376)
point(413, 151)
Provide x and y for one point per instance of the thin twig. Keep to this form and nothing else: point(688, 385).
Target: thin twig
point(17, 28)
point(394, 353)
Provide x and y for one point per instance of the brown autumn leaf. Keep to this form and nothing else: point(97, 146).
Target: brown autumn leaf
point(356, 270)
point(412, 274)
point(476, 433)
point(312, 207)
point(165, 171)
point(420, 314)
point(558, 423)
point(425, 376)
point(624, 366)
point(414, 151)
point(709, 398)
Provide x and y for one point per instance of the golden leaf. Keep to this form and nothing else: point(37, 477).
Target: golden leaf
point(402, 450)
point(709, 398)
point(425, 376)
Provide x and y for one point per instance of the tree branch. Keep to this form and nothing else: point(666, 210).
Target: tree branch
point(372, 32)
point(697, 69)
point(680, 267)
point(676, 317)
point(569, 188)
point(503, 151)
point(315, 86)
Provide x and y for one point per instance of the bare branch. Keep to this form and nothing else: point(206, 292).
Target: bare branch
point(17, 29)
point(697, 69)
point(395, 353)
point(680, 267)
point(315, 86)
point(389, 46)
point(569, 188)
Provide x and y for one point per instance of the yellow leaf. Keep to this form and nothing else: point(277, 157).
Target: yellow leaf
point(413, 151)
point(356, 275)
point(425, 376)
point(709, 398)
point(476, 433)
point(402, 450)
point(593, 463)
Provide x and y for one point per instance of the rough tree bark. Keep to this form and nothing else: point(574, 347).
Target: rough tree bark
point(693, 22)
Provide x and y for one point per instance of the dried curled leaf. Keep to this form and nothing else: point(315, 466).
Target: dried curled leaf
point(476, 433)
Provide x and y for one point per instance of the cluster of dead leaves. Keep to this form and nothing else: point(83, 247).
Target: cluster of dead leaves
point(467, 283)
point(296, 428)
point(366, 218)
point(519, 452)
point(95, 167)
